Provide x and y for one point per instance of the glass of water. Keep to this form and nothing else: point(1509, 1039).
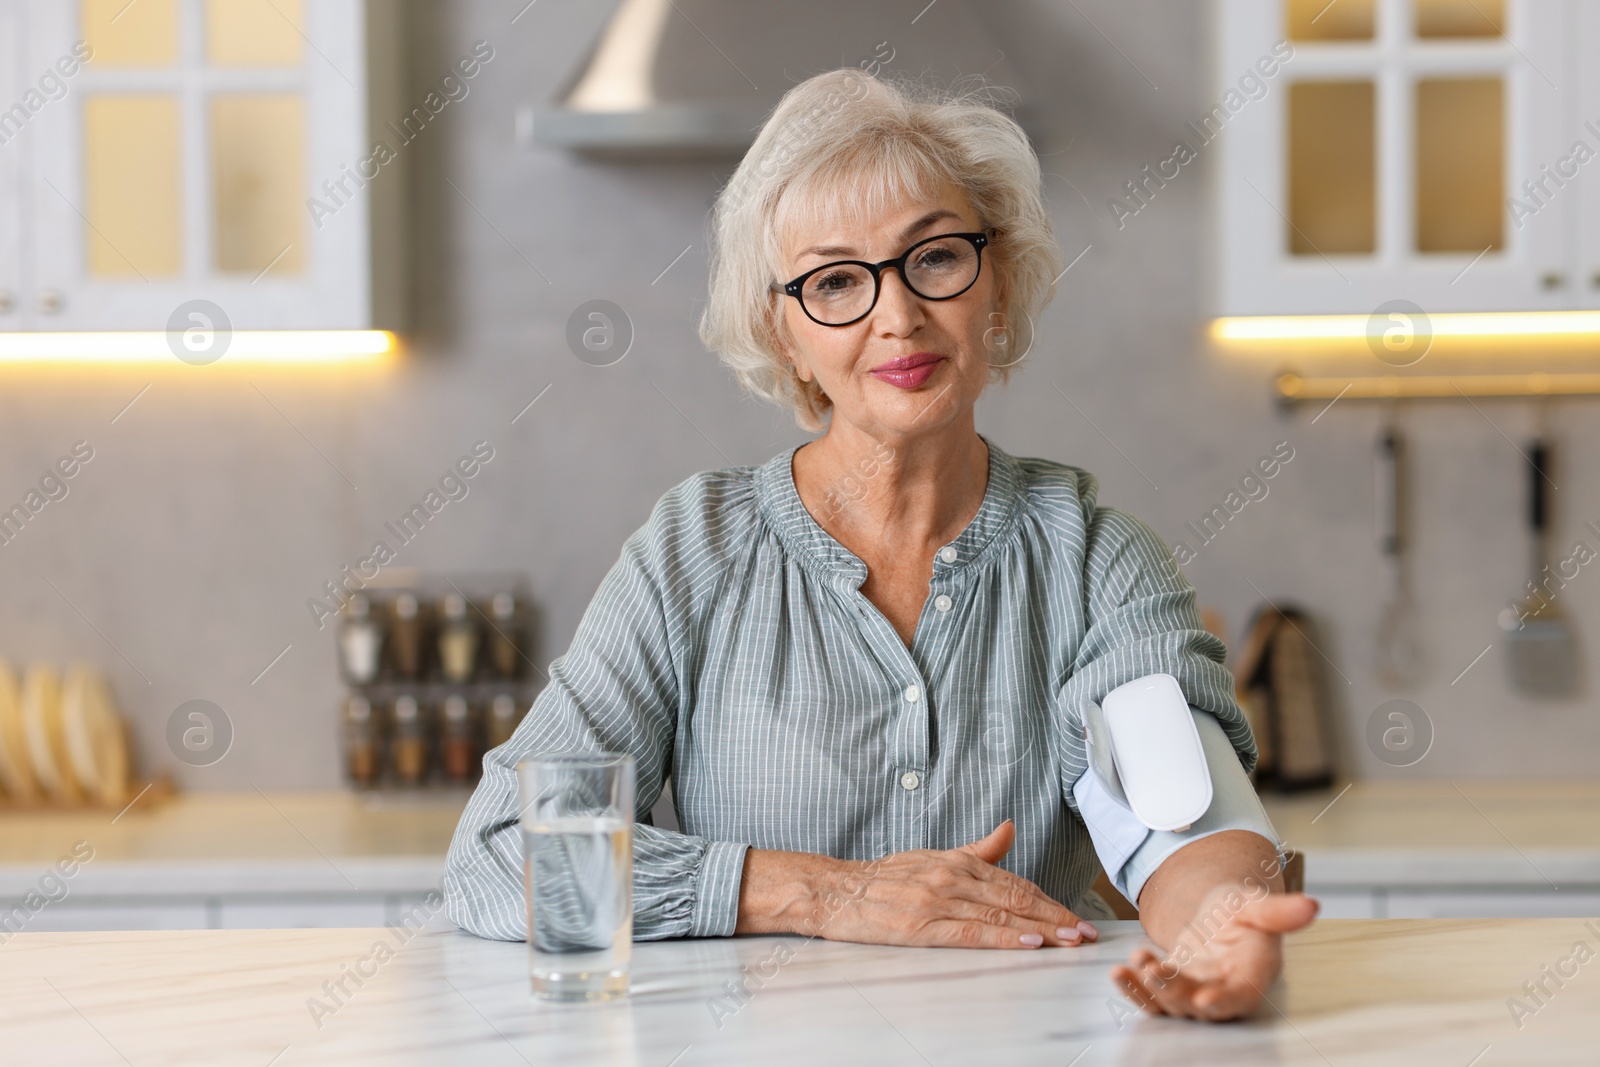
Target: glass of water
point(577, 833)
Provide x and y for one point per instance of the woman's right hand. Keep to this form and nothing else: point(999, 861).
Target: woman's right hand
point(952, 898)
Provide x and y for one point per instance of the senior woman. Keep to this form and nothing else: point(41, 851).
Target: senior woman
point(863, 663)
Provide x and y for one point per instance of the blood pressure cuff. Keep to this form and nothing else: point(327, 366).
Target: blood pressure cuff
point(1130, 851)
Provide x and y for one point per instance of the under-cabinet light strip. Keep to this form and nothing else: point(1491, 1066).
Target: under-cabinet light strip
point(1574, 324)
point(254, 347)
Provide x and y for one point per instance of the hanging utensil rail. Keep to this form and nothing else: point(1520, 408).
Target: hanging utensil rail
point(1292, 388)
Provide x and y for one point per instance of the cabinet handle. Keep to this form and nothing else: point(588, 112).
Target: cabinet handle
point(1553, 279)
point(7, 302)
point(51, 302)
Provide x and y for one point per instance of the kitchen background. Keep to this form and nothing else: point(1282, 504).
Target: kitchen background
point(215, 506)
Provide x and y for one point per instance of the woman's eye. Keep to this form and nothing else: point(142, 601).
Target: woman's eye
point(834, 282)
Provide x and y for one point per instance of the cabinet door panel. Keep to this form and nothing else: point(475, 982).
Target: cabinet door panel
point(258, 181)
point(1459, 156)
point(255, 33)
point(124, 36)
point(1458, 19)
point(133, 185)
point(1332, 160)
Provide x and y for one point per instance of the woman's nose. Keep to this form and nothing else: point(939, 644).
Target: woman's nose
point(898, 309)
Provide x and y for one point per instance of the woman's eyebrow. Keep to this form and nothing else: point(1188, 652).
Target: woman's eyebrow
point(828, 250)
point(927, 220)
point(906, 234)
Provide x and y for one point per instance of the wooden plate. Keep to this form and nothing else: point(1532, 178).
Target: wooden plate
point(47, 743)
point(16, 770)
point(97, 747)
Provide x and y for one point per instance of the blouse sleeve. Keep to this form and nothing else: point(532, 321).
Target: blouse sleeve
point(1141, 619)
point(615, 690)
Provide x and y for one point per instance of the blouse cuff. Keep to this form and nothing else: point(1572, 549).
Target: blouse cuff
point(716, 901)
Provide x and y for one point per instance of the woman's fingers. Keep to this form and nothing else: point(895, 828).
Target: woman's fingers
point(1049, 932)
point(1133, 988)
point(1279, 913)
point(993, 848)
point(1146, 983)
point(1021, 897)
point(1159, 988)
point(972, 933)
point(960, 898)
point(1174, 991)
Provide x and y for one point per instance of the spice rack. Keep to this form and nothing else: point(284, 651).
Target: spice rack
point(438, 669)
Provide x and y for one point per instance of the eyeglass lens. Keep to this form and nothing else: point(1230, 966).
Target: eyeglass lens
point(846, 291)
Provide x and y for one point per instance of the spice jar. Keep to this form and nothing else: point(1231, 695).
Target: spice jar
point(458, 740)
point(505, 712)
point(360, 642)
point(458, 641)
point(406, 636)
point(508, 637)
point(362, 742)
point(409, 747)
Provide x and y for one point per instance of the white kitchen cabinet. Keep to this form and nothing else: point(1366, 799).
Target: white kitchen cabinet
point(1383, 159)
point(11, 212)
point(1509, 902)
point(234, 911)
point(180, 161)
point(76, 917)
point(1346, 903)
point(270, 914)
point(1485, 904)
point(1587, 39)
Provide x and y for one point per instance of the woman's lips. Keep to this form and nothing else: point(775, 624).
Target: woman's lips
point(908, 373)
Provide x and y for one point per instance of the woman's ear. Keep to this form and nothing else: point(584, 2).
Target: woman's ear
point(801, 371)
point(790, 352)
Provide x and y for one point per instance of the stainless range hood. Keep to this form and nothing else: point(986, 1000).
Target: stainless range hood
point(672, 77)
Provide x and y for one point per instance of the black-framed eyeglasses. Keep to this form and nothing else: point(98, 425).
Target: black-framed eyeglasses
point(845, 292)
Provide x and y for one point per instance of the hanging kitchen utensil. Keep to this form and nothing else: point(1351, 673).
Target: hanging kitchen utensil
point(1400, 655)
point(1542, 650)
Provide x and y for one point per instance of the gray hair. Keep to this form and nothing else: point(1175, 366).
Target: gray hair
point(845, 145)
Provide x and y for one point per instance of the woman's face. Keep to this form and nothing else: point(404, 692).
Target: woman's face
point(911, 366)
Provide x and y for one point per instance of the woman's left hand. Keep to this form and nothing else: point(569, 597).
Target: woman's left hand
point(1224, 973)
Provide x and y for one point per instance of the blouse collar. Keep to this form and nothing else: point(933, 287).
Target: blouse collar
point(784, 511)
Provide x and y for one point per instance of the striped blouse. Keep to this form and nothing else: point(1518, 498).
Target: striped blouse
point(731, 649)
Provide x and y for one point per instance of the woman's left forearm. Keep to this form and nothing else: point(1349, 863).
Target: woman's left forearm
point(1188, 879)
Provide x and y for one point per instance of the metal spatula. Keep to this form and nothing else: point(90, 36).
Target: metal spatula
point(1542, 649)
point(1401, 658)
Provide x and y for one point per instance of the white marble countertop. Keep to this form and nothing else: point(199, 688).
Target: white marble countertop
point(1372, 992)
point(206, 843)
point(1462, 834)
